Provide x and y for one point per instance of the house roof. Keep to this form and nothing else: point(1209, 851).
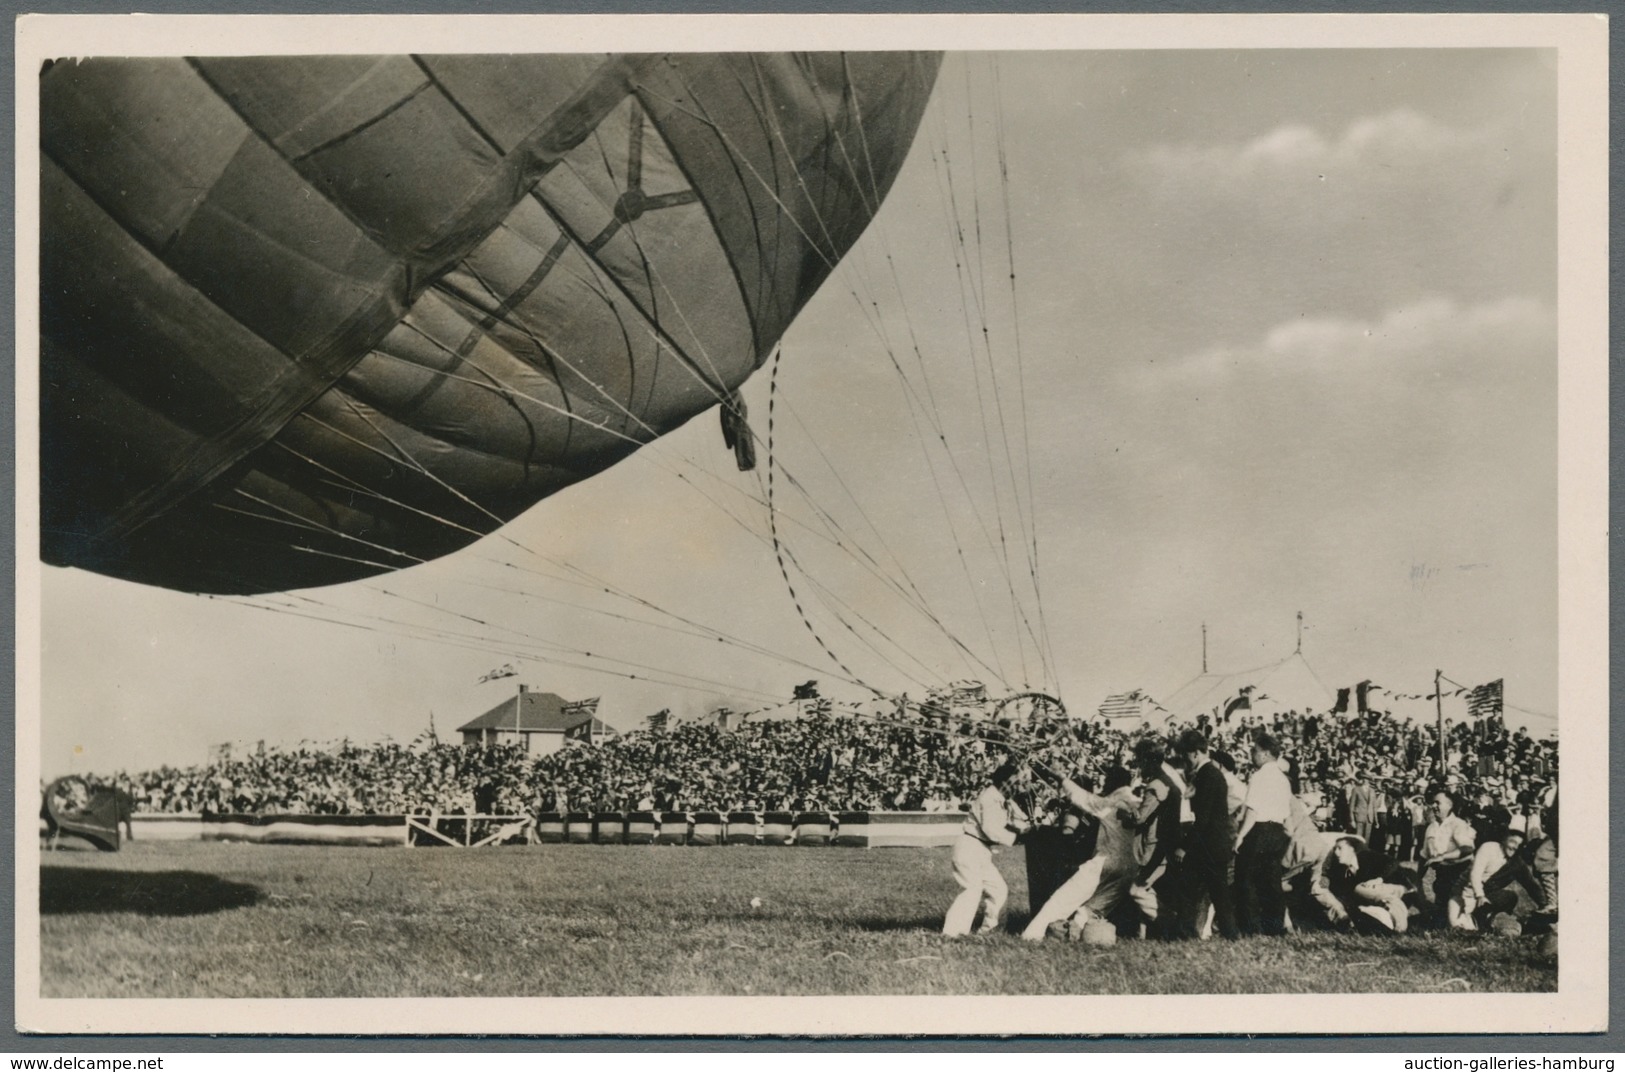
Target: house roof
point(529, 712)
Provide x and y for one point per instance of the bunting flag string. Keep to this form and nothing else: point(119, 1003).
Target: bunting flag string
point(1482, 700)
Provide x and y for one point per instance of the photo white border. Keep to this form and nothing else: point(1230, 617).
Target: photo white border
point(1580, 1003)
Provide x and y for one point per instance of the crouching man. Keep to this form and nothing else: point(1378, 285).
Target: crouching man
point(993, 820)
point(1102, 883)
point(1366, 885)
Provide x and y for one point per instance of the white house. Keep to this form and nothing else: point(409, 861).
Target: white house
point(540, 722)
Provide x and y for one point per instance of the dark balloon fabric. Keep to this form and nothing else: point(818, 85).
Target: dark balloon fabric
point(310, 319)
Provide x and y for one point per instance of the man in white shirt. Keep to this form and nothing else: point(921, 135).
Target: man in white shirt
point(1474, 904)
point(993, 820)
point(1447, 847)
point(1263, 841)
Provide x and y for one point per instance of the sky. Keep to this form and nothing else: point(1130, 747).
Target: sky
point(1281, 339)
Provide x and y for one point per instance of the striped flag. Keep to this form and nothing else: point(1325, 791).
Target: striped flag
point(1132, 704)
point(1484, 700)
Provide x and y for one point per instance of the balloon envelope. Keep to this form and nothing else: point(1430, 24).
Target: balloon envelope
point(310, 319)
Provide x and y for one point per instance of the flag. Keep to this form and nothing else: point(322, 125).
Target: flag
point(1133, 704)
point(505, 670)
point(582, 707)
point(1484, 700)
point(659, 720)
point(1242, 702)
point(1362, 693)
point(1342, 706)
point(807, 690)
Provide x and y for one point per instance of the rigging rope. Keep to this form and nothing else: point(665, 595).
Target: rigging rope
point(1021, 375)
point(772, 517)
point(662, 300)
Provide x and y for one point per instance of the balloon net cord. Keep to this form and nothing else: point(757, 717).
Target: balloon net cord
point(773, 528)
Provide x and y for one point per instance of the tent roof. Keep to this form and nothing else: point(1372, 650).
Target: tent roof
point(1286, 685)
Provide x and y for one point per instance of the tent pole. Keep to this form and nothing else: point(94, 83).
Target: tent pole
point(1438, 707)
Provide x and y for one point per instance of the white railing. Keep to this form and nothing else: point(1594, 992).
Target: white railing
point(514, 825)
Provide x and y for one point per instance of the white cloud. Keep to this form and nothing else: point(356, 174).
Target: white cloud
point(1400, 138)
point(1226, 238)
point(1430, 336)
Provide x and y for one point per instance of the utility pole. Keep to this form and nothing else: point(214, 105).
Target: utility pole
point(1438, 707)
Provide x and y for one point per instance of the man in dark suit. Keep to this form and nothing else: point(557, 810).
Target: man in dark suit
point(1209, 846)
point(1362, 806)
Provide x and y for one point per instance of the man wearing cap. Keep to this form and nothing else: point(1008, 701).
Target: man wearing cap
point(1362, 806)
point(993, 820)
point(1490, 817)
point(1396, 840)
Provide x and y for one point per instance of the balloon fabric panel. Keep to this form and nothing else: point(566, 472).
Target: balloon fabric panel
point(340, 315)
point(301, 104)
point(146, 139)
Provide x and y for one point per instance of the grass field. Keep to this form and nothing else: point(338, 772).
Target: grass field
point(225, 920)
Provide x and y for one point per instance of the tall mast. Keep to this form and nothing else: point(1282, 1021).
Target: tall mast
point(1438, 707)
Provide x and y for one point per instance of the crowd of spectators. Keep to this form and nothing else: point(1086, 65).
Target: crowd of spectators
point(1374, 775)
point(1463, 835)
point(1369, 773)
point(825, 760)
point(1255, 823)
point(335, 779)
